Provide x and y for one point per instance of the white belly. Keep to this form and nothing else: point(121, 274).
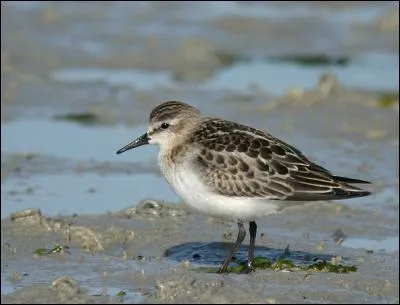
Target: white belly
point(198, 196)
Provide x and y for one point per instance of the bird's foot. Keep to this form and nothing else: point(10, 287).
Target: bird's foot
point(246, 270)
point(223, 269)
point(249, 268)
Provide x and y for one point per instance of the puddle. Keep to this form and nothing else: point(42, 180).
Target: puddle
point(373, 71)
point(213, 253)
point(83, 194)
point(73, 141)
point(370, 71)
point(71, 193)
point(389, 244)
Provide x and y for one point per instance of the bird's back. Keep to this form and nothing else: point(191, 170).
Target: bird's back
point(239, 161)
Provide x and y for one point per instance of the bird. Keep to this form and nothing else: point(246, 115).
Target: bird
point(222, 168)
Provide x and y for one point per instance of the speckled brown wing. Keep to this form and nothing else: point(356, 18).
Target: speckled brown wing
point(240, 161)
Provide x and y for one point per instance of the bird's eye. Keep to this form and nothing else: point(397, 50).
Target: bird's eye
point(164, 125)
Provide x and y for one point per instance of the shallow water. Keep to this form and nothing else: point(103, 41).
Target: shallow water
point(119, 60)
point(91, 193)
point(373, 71)
point(390, 244)
point(54, 139)
point(369, 71)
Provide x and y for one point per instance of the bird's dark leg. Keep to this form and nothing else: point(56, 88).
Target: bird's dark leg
point(253, 233)
point(240, 237)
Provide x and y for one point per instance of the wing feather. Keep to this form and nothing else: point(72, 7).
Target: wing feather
point(240, 161)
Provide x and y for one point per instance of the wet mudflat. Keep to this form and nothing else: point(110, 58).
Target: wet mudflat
point(80, 224)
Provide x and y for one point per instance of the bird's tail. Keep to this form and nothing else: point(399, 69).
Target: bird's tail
point(350, 180)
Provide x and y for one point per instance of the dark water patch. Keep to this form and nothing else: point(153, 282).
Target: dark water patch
point(312, 60)
point(276, 259)
point(85, 118)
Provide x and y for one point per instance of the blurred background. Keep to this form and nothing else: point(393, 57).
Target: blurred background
point(78, 80)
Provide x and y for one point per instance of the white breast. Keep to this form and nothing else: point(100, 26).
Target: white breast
point(186, 183)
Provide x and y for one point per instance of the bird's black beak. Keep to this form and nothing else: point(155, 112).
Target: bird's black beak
point(142, 140)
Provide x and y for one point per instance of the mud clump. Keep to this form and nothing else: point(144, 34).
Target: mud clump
point(150, 208)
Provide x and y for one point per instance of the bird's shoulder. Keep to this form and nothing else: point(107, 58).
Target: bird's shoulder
point(230, 139)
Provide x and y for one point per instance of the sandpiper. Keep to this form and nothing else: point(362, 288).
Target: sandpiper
point(226, 169)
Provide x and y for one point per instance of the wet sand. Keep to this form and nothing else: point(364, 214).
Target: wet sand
point(120, 241)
